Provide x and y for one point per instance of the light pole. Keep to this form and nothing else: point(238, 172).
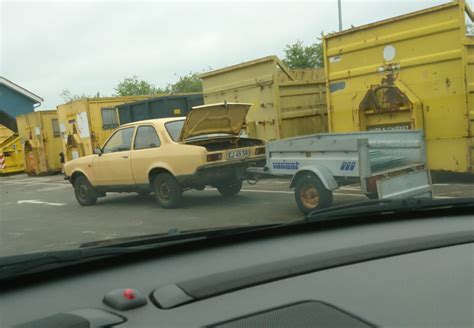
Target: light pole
point(339, 9)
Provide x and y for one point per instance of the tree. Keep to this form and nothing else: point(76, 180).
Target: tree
point(68, 96)
point(187, 83)
point(299, 56)
point(132, 86)
point(469, 28)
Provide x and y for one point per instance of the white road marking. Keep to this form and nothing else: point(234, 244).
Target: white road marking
point(54, 188)
point(34, 201)
point(21, 183)
point(350, 188)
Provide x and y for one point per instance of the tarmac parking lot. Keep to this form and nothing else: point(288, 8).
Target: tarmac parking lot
point(41, 213)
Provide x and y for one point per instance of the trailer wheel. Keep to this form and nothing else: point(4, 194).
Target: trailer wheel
point(85, 193)
point(168, 192)
point(231, 189)
point(311, 194)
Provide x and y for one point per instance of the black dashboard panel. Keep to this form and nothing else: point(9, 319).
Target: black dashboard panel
point(428, 288)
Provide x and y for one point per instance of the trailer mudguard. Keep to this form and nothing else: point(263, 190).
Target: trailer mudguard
point(321, 172)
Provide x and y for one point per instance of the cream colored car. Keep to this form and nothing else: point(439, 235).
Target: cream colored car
point(168, 156)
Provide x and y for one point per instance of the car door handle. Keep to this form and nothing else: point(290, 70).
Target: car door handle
point(124, 156)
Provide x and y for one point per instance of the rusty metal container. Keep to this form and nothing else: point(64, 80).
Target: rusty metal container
point(286, 103)
point(414, 71)
point(85, 124)
point(11, 155)
point(41, 142)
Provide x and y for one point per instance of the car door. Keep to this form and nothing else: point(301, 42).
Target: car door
point(113, 166)
point(146, 150)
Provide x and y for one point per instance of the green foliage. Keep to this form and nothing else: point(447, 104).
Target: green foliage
point(469, 28)
point(132, 86)
point(187, 83)
point(299, 56)
point(68, 96)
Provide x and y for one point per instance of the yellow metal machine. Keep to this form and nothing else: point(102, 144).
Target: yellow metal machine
point(286, 102)
point(86, 123)
point(414, 71)
point(41, 141)
point(11, 156)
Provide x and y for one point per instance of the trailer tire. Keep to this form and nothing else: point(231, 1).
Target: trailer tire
point(168, 192)
point(85, 193)
point(311, 194)
point(231, 189)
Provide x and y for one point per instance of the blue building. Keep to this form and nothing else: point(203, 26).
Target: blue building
point(14, 101)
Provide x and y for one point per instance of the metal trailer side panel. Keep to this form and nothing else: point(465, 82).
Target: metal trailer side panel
point(422, 59)
point(411, 184)
point(340, 157)
point(358, 155)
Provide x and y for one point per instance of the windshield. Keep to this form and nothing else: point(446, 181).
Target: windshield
point(297, 109)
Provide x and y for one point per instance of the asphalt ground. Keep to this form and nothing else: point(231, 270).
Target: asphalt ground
point(41, 213)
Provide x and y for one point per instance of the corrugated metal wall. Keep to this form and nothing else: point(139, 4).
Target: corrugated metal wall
point(13, 104)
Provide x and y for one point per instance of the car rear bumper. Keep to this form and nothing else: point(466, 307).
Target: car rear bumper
point(218, 173)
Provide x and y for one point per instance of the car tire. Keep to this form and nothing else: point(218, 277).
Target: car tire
point(168, 192)
point(311, 194)
point(85, 193)
point(231, 189)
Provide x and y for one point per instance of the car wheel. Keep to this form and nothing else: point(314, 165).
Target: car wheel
point(311, 194)
point(231, 189)
point(168, 192)
point(85, 193)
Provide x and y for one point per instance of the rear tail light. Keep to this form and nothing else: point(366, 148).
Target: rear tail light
point(260, 151)
point(214, 157)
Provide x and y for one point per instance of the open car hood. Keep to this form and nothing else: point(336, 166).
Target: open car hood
point(218, 118)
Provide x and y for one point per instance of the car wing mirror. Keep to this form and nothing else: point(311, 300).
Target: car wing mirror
point(98, 151)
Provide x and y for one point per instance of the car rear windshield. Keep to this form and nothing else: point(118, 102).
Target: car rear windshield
point(174, 129)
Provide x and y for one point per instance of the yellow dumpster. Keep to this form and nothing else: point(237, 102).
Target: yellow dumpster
point(87, 123)
point(414, 71)
point(4, 133)
point(41, 140)
point(11, 155)
point(286, 102)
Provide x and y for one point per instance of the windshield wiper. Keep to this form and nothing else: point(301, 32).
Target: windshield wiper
point(12, 266)
point(17, 265)
point(388, 207)
point(174, 235)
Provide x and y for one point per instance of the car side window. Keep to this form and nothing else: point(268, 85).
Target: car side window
point(146, 137)
point(121, 140)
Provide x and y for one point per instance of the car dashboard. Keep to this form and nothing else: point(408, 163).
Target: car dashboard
point(406, 273)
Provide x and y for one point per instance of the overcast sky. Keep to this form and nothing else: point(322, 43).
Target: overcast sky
point(88, 46)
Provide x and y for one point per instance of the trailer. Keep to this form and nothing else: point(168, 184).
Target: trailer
point(388, 164)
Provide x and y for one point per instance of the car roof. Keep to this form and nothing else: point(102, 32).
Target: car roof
point(155, 121)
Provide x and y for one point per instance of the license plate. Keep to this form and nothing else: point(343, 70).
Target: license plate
point(238, 154)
